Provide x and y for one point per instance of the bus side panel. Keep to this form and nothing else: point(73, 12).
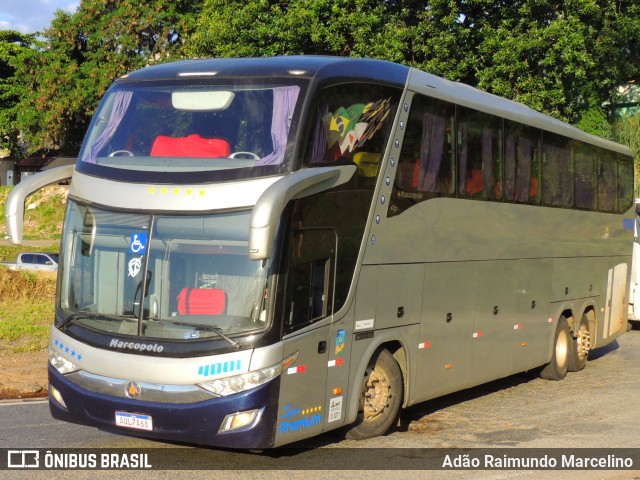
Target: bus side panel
point(493, 332)
point(532, 328)
point(399, 296)
point(575, 278)
point(446, 331)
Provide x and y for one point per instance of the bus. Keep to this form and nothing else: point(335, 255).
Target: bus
point(256, 251)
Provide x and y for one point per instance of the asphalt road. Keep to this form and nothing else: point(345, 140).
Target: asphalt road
point(596, 408)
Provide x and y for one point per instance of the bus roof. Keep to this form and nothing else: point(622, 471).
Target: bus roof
point(310, 67)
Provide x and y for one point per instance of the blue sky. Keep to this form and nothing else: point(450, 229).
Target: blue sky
point(28, 16)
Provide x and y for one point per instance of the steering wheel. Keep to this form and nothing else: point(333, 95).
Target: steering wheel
point(249, 155)
point(121, 153)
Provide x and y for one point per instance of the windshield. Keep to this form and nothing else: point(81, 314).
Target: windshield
point(187, 128)
point(159, 276)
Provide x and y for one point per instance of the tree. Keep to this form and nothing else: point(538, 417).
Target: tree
point(360, 28)
point(563, 58)
point(81, 54)
point(11, 45)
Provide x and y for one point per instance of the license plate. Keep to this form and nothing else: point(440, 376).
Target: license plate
point(136, 421)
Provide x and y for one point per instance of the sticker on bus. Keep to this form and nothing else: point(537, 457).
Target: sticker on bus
point(135, 421)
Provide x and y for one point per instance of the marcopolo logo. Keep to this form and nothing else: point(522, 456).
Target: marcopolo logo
point(136, 346)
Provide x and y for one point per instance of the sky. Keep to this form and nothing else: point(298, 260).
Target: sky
point(29, 16)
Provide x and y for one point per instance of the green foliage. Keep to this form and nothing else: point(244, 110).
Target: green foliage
point(595, 122)
point(627, 132)
point(12, 44)
point(66, 74)
point(363, 28)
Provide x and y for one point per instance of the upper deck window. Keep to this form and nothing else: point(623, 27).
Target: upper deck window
point(192, 128)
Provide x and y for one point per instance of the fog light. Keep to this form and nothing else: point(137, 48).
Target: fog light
point(55, 393)
point(243, 420)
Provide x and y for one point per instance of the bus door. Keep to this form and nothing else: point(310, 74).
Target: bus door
point(307, 328)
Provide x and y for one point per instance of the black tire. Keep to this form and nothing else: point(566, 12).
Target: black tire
point(381, 398)
point(581, 346)
point(557, 368)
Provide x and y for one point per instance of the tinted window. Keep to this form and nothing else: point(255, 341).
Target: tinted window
point(479, 145)
point(625, 183)
point(585, 172)
point(557, 171)
point(351, 124)
point(425, 166)
point(522, 163)
point(607, 179)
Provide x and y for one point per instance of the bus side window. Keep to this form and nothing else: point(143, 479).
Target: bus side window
point(625, 183)
point(522, 163)
point(309, 278)
point(586, 180)
point(352, 123)
point(425, 166)
point(607, 181)
point(558, 174)
point(479, 147)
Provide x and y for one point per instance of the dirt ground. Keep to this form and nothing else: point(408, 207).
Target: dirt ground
point(23, 375)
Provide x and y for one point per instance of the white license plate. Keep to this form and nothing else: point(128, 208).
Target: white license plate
point(136, 421)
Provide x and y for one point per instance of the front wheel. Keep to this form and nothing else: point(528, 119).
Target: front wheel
point(381, 397)
point(557, 368)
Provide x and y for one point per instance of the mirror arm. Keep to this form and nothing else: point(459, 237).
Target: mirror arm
point(14, 208)
point(267, 211)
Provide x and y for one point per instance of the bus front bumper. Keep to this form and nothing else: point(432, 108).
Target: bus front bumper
point(192, 423)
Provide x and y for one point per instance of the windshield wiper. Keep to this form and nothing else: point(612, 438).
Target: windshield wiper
point(209, 328)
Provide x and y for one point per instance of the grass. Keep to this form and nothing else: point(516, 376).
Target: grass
point(26, 310)
point(27, 298)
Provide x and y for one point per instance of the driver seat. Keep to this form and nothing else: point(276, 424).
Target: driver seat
point(202, 301)
point(190, 146)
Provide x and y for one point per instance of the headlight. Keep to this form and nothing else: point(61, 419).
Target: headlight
point(60, 363)
point(240, 383)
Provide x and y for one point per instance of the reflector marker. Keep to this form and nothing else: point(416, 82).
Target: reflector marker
point(551, 319)
point(477, 334)
point(517, 326)
point(448, 366)
point(298, 369)
point(335, 363)
point(424, 345)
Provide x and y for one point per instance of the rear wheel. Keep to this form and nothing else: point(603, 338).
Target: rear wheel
point(380, 399)
point(557, 368)
point(581, 347)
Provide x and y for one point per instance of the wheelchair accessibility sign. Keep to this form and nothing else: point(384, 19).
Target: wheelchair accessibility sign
point(138, 242)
